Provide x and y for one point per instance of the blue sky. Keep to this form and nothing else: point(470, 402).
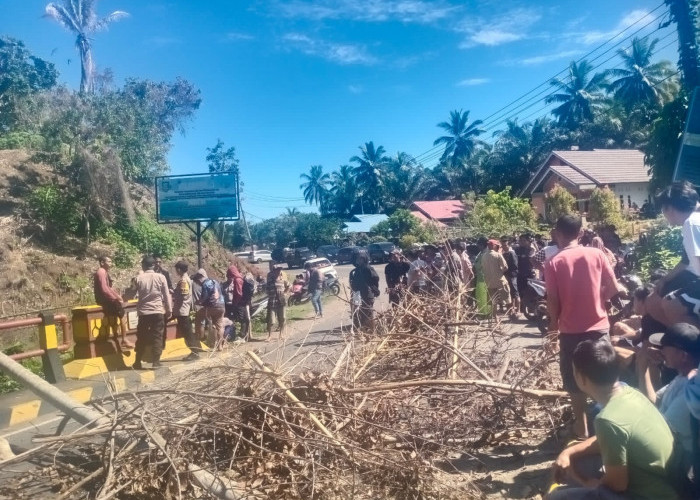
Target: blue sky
point(296, 83)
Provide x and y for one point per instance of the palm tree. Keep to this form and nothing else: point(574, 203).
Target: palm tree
point(405, 182)
point(369, 173)
point(79, 16)
point(462, 141)
point(343, 191)
point(685, 14)
point(316, 185)
point(579, 95)
point(640, 81)
point(292, 212)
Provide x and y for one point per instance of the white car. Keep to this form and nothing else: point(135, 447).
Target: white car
point(259, 256)
point(326, 267)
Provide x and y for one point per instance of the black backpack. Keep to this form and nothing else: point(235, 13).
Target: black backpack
point(248, 289)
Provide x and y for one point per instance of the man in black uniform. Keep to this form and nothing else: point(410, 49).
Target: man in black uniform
point(395, 273)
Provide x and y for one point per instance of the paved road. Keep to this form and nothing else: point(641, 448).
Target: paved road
point(318, 339)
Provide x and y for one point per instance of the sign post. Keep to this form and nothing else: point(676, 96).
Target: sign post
point(197, 198)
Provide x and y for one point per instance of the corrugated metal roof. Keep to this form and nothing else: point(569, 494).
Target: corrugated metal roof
point(441, 210)
point(608, 166)
point(421, 217)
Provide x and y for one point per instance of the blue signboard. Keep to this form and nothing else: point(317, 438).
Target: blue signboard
point(197, 197)
point(688, 162)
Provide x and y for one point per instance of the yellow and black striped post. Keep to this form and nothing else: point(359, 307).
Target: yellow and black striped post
point(48, 341)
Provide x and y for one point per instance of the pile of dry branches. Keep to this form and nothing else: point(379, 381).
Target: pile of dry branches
point(379, 419)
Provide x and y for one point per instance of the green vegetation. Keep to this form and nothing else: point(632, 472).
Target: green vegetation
point(661, 250)
point(500, 214)
point(604, 210)
point(558, 202)
point(405, 229)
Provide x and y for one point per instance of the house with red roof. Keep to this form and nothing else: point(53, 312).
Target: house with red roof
point(579, 172)
point(441, 213)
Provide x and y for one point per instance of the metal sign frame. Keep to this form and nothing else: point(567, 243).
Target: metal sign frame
point(201, 219)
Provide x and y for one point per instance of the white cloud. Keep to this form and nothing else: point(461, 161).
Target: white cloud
point(508, 27)
point(335, 52)
point(638, 16)
point(544, 58)
point(406, 11)
point(234, 36)
point(471, 82)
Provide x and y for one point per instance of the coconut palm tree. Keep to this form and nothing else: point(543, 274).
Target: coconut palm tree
point(79, 16)
point(369, 173)
point(316, 185)
point(405, 182)
point(640, 81)
point(343, 191)
point(462, 139)
point(580, 95)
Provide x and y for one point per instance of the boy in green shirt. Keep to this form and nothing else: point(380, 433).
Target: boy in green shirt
point(632, 439)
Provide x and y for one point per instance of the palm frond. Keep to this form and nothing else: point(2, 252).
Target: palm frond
point(115, 16)
point(59, 14)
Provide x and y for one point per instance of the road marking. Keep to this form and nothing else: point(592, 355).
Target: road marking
point(32, 427)
point(24, 412)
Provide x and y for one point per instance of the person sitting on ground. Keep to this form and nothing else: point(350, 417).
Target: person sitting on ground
point(276, 286)
point(680, 351)
point(632, 440)
point(111, 302)
point(677, 295)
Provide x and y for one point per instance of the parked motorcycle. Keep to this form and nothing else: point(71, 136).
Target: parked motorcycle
point(534, 304)
point(301, 294)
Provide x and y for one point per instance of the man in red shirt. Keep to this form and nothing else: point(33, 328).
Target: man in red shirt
point(579, 282)
point(111, 302)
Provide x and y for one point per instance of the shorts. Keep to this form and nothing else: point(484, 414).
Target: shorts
point(513, 284)
point(686, 289)
point(567, 345)
point(114, 309)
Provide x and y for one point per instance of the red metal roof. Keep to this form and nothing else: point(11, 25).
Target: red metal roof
point(441, 210)
point(422, 217)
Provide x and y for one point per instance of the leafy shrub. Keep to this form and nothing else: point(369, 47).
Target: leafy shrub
point(498, 214)
point(21, 139)
point(558, 202)
point(146, 236)
point(661, 250)
point(55, 208)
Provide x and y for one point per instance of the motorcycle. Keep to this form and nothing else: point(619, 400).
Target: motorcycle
point(534, 304)
point(331, 285)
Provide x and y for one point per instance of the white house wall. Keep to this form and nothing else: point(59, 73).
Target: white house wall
point(634, 192)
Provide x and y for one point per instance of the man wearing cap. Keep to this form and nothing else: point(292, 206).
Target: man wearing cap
point(680, 349)
point(212, 300)
point(153, 308)
point(495, 266)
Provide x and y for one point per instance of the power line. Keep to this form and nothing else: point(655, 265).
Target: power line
point(431, 150)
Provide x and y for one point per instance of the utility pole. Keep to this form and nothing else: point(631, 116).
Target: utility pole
point(685, 14)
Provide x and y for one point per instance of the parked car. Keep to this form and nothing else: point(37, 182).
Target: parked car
point(345, 254)
point(326, 266)
point(259, 256)
point(328, 251)
point(296, 258)
point(379, 252)
point(242, 255)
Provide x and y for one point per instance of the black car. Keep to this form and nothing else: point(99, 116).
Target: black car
point(346, 254)
point(296, 258)
point(330, 252)
point(379, 252)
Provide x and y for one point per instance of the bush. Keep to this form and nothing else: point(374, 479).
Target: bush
point(661, 250)
point(56, 210)
point(558, 202)
point(146, 236)
point(21, 139)
point(604, 208)
point(498, 214)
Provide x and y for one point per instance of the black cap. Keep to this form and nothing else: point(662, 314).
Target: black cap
point(683, 336)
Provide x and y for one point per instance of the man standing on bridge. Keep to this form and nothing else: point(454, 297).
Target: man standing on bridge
point(154, 307)
point(111, 302)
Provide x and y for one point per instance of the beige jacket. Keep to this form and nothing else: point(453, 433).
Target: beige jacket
point(154, 297)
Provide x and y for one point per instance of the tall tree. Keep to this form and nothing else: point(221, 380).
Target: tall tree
point(80, 17)
point(462, 138)
point(316, 185)
point(220, 159)
point(369, 171)
point(640, 81)
point(686, 15)
point(343, 191)
point(579, 94)
point(405, 182)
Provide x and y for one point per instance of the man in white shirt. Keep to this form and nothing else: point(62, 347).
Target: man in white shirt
point(680, 288)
